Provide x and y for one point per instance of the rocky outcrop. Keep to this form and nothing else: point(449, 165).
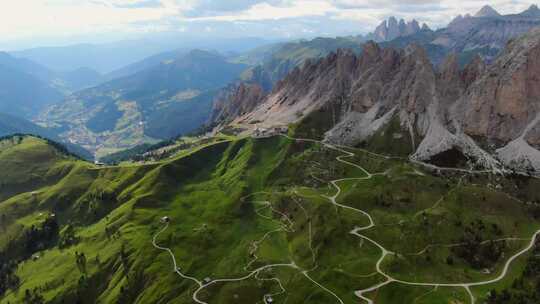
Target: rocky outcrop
point(487, 31)
point(392, 28)
point(487, 11)
point(532, 12)
point(490, 114)
point(236, 100)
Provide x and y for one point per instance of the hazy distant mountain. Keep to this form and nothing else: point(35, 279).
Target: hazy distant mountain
point(392, 28)
point(146, 63)
point(487, 11)
point(24, 95)
point(487, 31)
point(27, 66)
point(109, 57)
point(69, 81)
point(80, 78)
point(171, 98)
point(271, 63)
point(532, 12)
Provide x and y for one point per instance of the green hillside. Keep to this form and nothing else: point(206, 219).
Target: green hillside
point(257, 218)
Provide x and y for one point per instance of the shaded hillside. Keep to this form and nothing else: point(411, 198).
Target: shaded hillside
point(23, 94)
point(62, 81)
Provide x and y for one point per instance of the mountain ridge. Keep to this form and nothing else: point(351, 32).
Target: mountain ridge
point(430, 104)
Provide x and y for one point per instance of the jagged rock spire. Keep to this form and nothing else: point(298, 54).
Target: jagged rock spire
point(487, 11)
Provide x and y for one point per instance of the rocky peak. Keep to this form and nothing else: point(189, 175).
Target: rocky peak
point(473, 70)
point(412, 27)
point(504, 100)
point(370, 54)
point(487, 11)
point(381, 32)
point(449, 78)
point(449, 69)
point(417, 52)
point(392, 28)
point(533, 12)
point(235, 100)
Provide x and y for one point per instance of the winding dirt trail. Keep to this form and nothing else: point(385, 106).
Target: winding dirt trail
point(357, 231)
point(384, 252)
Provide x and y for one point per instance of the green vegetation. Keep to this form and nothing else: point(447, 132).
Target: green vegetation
point(76, 233)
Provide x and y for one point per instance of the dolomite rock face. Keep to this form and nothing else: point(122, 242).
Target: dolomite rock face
point(506, 98)
point(491, 114)
point(235, 101)
point(487, 29)
point(392, 28)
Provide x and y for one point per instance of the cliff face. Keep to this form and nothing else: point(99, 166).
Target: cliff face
point(487, 30)
point(392, 28)
point(236, 100)
point(489, 113)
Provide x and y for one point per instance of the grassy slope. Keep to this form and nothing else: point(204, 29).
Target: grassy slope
point(214, 197)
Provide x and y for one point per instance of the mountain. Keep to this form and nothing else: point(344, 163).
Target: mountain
point(488, 12)
point(157, 103)
point(391, 29)
point(23, 94)
point(488, 114)
point(64, 82)
point(26, 66)
point(268, 65)
point(146, 63)
point(108, 57)
point(487, 32)
point(271, 63)
point(532, 12)
point(235, 100)
point(79, 79)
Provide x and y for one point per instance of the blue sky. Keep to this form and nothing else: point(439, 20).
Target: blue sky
point(65, 21)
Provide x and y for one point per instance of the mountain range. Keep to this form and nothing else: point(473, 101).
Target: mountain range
point(84, 118)
point(484, 34)
point(403, 169)
point(486, 113)
point(392, 28)
point(28, 87)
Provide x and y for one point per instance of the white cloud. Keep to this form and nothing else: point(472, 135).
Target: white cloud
point(28, 19)
point(265, 11)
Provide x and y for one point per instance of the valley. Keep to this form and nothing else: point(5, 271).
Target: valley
point(328, 158)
